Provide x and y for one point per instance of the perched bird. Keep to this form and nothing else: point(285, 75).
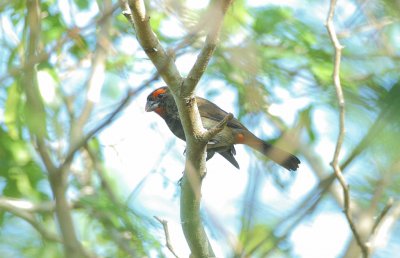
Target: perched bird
point(162, 102)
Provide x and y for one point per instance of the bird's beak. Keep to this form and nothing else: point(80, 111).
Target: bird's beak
point(151, 106)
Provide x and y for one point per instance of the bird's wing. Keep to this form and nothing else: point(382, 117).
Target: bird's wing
point(211, 111)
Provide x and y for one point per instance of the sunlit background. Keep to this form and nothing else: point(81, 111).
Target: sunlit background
point(144, 161)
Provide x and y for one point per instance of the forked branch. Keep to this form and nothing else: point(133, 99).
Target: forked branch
point(183, 92)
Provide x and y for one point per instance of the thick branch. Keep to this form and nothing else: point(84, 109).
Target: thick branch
point(164, 63)
point(183, 92)
point(335, 163)
point(37, 126)
point(190, 214)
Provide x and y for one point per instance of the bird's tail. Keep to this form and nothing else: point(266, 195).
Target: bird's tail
point(281, 157)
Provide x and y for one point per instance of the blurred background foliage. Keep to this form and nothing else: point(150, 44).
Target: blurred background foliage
point(270, 55)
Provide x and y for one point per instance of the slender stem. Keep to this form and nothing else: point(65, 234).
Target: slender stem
point(335, 163)
point(168, 243)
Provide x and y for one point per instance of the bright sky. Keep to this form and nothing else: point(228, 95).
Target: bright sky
point(224, 185)
point(133, 159)
point(148, 151)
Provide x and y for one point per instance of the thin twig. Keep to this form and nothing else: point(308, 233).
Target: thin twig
point(94, 82)
point(110, 118)
point(335, 163)
point(215, 18)
point(164, 223)
point(209, 134)
point(385, 223)
point(385, 211)
point(123, 242)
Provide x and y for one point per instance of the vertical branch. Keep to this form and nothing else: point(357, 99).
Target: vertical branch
point(195, 167)
point(72, 246)
point(183, 92)
point(335, 162)
point(37, 128)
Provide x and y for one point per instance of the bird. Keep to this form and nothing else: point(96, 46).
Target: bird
point(161, 101)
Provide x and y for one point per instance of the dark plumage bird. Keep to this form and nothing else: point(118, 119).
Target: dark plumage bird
point(162, 102)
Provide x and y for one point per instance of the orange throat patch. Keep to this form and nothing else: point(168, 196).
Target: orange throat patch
point(160, 111)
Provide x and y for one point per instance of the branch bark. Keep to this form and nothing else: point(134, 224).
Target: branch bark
point(37, 127)
point(335, 163)
point(168, 243)
point(183, 92)
point(24, 209)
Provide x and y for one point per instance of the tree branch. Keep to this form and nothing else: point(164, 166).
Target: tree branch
point(96, 77)
point(37, 128)
point(335, 163)
point(385, 211)
point(27, 206)
point(215, 18)
point(110, 118)
point(183, 92)
point(23, 210)
point(210, 133)
point(385, 222)
point(136, 15)
point(164, 223)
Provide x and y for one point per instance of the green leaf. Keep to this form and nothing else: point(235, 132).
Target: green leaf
point(307, 121)
point(268, 19)
point(323, 72)
point(52, 27)
point(82, 4)
point(12, 111)
point(250, 239)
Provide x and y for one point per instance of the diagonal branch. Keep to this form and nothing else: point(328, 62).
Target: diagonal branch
point(94, 84)
point(215, 18)
point(385, 223)
point(109, 119)
point(209, 134)
point(135, 12)
point(23, 210)
point(96, 77)
point(164, 223)
point(335, 163)
point(382, 215)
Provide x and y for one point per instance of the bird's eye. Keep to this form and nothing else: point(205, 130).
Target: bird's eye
point(159, 96)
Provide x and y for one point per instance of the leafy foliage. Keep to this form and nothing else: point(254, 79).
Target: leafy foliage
point(268, 55)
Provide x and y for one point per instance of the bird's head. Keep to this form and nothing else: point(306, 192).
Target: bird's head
point(157, 100)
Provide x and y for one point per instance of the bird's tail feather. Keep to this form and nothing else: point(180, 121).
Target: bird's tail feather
point(281, 157)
